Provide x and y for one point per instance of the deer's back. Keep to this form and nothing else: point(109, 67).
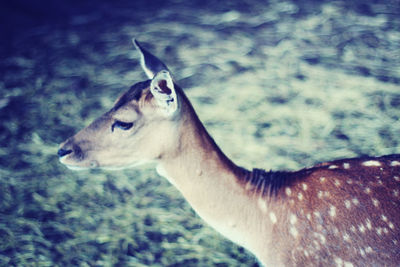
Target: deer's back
point(344, 213)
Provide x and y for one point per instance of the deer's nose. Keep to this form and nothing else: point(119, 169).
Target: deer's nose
point(63, 152)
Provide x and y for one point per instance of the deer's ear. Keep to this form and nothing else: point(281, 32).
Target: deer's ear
point(150, 63)
point(163, 90)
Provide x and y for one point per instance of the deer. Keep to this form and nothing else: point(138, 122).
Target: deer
point(345, 212)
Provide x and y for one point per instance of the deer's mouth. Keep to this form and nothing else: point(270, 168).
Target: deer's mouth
point(68, 157)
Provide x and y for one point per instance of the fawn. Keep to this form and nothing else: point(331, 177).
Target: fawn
point(340, 213)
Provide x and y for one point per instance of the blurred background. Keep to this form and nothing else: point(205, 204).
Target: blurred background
point(279, 85)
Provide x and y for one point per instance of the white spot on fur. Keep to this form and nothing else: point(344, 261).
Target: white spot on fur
point(320, 194)
point(349, 181)
point(355, 201)
point(368, 224)
point(316, 245)
point(396, 192)
point(322, 179)
point(348, 264)
point(322, 238)
point(346, 237)
point(385, 230)
point(293, 219)
point(396, 178)
point(304, 185)
point(361, 228)
point(336, 231)
point(346, 165)
point(308, 216)
point(368, 250)
point(367, 190)
point(391, 225)
point(339, 262)
point(379, 230)
point(395, 163)
point(333, 167)
point(375, 202)
point(371, 163)
point(347, 204)
point(293, 231)
point(332, 211)
point(337, 182)
point(288, 191)
point(300, 196)
point(272, 217)
point(362, 252)
point(384, 218)
point(353, 228)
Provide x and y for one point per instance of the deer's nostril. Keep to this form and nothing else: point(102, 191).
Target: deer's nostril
point(62, 152)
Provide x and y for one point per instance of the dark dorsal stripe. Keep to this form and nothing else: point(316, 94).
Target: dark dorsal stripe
point(267, 183)
point(271, 182)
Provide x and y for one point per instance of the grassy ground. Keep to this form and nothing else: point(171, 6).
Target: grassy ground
point(279, 86)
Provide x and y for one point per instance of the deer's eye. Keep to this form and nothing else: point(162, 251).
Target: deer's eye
point(121, 125)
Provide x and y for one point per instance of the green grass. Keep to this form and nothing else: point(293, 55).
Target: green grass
point(275, 90)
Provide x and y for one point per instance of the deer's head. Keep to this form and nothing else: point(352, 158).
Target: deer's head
point(139, 128)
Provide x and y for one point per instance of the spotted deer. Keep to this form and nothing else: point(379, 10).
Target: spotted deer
point(340, 213)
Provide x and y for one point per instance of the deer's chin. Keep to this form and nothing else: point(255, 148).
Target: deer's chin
point(131, 165)
point(79, 167)
point(76, 168)
point(94, 164)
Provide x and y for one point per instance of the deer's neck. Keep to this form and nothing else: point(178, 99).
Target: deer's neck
point(196, 165)
point(210, 182)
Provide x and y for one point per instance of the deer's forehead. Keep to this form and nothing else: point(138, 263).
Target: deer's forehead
point(127, 113)
point(134, 93)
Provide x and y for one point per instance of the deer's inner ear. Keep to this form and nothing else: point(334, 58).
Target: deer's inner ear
point(163, 89)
